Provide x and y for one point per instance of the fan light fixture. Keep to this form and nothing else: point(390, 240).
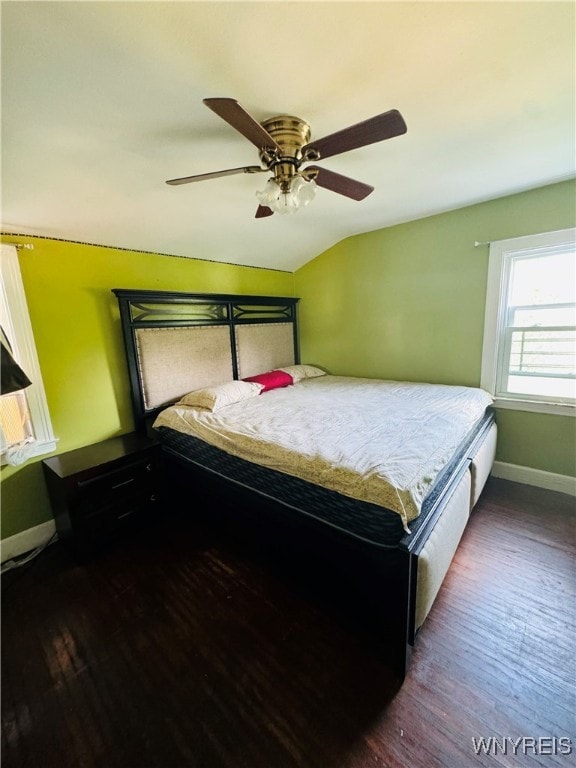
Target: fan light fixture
point(284, 144)
point(287, 196)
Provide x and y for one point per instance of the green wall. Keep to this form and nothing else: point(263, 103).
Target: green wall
point(407, 303)
point(76, 328)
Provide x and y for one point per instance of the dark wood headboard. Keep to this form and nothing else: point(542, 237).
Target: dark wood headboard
point(176, 342)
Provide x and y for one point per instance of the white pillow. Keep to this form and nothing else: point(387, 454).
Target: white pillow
point(299, 372)
point(221, 395)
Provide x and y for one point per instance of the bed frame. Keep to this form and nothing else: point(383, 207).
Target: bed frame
point(177, 342)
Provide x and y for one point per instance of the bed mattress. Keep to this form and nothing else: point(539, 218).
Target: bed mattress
point(362, 520)
point(455, 412)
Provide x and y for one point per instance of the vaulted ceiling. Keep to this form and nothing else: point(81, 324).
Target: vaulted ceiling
point(102, 103)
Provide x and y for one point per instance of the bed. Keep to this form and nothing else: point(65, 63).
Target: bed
point(371, 481)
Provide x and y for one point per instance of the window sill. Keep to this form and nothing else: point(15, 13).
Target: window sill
point(38, 448)
point(532, 406)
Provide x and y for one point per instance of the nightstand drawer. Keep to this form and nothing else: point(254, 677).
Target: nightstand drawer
point(134, 480)
point(112, 518)
point(117, 501)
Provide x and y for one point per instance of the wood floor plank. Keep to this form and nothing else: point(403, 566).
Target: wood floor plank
point(177, 650)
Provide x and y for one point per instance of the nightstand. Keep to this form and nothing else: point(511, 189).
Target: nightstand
point(104, 489)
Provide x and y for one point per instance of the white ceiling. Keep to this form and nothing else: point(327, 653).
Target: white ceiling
point(102, 102)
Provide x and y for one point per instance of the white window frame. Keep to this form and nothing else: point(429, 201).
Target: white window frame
point(501, 256)
point(17, 325)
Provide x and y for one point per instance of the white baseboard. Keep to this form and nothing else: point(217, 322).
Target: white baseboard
point(27, 540)
point(529, 476)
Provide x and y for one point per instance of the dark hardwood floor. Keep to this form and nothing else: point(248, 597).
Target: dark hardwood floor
point(178, 650)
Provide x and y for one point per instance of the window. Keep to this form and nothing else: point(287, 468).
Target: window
point(529, 353)
point(25, 427)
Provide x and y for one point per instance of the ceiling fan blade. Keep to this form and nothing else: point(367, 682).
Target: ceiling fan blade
point(384, 126)
point(338, 183)
point(263, 211)
point(236, 116)
point(217, 174)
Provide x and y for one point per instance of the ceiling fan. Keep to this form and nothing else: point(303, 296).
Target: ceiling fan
point(284, 145)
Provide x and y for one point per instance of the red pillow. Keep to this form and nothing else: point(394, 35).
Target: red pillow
point(271, 380)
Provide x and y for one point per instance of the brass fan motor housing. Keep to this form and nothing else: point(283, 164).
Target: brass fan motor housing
point(290, 133)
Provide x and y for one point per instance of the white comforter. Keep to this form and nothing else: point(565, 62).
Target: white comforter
point(379, 441)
